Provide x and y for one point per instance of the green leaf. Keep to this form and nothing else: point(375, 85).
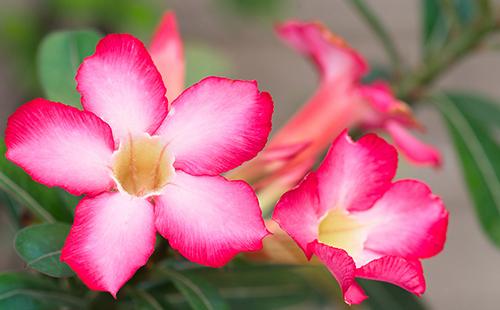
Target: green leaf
point(199, 294)
point(483, 109)
point(385, 296)
point(142, 300)
point(48, 204)
point(438, 18)
point(27, 292)
point(59, 57)
point(479, 154)
point(40, 247)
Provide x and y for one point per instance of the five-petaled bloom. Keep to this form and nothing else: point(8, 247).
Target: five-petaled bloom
point(359, 223)
point(143, 167)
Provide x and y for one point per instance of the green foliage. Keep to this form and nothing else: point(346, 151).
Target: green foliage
point(59, 57)
point(385, 296)
point(19, 191)
point(40, 247)
point(473, 136)
point(27, 292)
point(440, 18)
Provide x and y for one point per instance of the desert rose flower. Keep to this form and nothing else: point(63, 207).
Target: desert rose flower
point(361, 224)
point(145, 168)
point(340, 101)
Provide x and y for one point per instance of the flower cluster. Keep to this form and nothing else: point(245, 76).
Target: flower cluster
point(149, 159)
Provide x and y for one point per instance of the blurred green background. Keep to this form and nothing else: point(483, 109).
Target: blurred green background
point(235, 38)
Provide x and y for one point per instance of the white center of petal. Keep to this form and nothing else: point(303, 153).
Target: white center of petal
point(142, 166)
point(339, 229)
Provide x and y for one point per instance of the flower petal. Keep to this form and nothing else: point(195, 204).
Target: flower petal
point(414, 149)
point(334, 58)
point(342, 267)
point(62, 146)
point(209, 219)
point(112, 236)
point(167, 52)
point(408, 221)
point(355, 174)
point(298, 212)
point(121, 85)
point(217, 124)
point(396, 270)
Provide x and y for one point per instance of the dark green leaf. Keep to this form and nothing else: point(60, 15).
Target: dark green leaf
point(198, 293)
point(40, 247)
point(385, 296)
point(482, 109)
point(479, 155)
point(47, 203)
point(27, 292)
point(438, 18)
point(59, 57)
point(142, 300)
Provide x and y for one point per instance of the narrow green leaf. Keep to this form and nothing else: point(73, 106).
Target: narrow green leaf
point(483, 109)
point(27, 292)
point(199, 294)
point(385, 296)
point(40, 247)
point(47, 204)
point(142, 300)
point(478, 153)
point(59, 57)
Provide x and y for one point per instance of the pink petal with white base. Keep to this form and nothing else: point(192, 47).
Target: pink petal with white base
point(167, 52)
point(209, 219)
point(112, 236)
point(408, 221)
point(342, 267)
point(299, 211)
point(333, 57)
point(61, 146)
point(396, 270)
point(217, 124)
point(121, 85)
point(415, 150)
point(355, 174)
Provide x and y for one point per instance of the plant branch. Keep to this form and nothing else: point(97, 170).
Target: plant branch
point(379, 30)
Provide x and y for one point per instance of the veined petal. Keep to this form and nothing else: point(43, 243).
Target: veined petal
point(354, 175)
point(414, 149)
point(407, 274)
point(209, 219)
point(121, 85)
point(342, 267)
point(217, 124)
point(408, 221)
point(167, 52)
point(299, 211)
point(333, 57)
point(58, 145)
point(112, 236)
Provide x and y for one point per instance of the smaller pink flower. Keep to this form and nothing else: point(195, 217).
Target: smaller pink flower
point(144, 167)
point(359, 223)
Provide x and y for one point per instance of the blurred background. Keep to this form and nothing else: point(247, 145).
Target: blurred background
point(235, 38)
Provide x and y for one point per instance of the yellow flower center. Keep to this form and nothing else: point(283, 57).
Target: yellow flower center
point(338, 229)
point(142, 166)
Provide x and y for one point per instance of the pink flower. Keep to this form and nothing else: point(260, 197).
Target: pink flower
point(167, 52)
point(145, 168)
point(359, 223)
point(341, 101)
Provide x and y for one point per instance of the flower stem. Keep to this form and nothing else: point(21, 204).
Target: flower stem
point(378, 28)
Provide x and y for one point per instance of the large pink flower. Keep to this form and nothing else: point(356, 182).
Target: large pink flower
point(359, 223)
point(145, 168)
point(340, 101)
